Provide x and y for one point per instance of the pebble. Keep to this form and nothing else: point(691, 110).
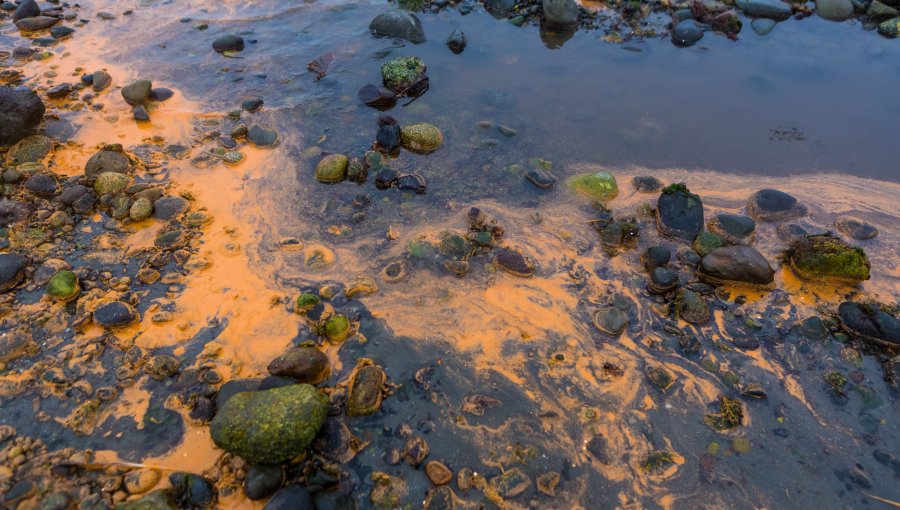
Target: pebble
point(687, 33)
point(855, 228)
point(230, 42)
point(438, 473)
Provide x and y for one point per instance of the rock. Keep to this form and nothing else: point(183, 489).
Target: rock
point(834, 10)
point(13, 212)
point(36, 23)
point(12, 270)
point(663, 280)
point(438, 473)
point(611, 320)
point(364, 393)
point(63, 286)
point(271, 426)
point(401, 73)
point(825, 258)
point(691, 307)
point(889, 28)
point(101, 80)
point(137, 92)
point(440, 498)
point(879, 12)
point(855, 228)
point(140, 114)
point(29, 149)
point(337, 328)
point(233, 387)
point(399, 24)
point(111, 183)
point(389, 492)
point(456, 41)
point(687, 32)
point(513, 262)
point(26, 9)
point(110, 159)
point(541, 178)
point(737, 265)
point(263, 480)
point(706, 242)
point(42, 185)
point(116, 315)
point(192, 491)
point(261, 136)
point(61, 32)
point(511, 483)
point(560, 13)
point(60, 91)
point(646, 183)
point(412, 182)
point(376, 96)
point(161, 366)
point(141, 209)
point(871, 323)
point(599, 186)
point(170, 207)
point(772, 9)
point(332, 168)
point(140, 481)
point(500, 6)
point(303, 364)
point(656, 256)
point(791, 232)
point(21, 111)
point(762, 26)
point(386, 177)
point(156, 500)
point(733, 228)
point(422, 137)
point(772, 205)
point(388, 137)
point(679, 213)
point(293, 497)
point(230, 42)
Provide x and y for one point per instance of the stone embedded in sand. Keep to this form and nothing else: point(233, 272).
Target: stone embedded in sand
point(870, 323)
point(772, 205)
point(691, 307)
point(679, 213)
point(706, 242)
point(136, 93)
point(663, 280)
point(855, 228)
point(513, 262)
point(422, 137)
point(737, 265)
point(365, 391)
point(599, 186)
point(229, 42)
point(63, 286)
point(111, 183)
point(826, 258)
point(116, 315)
point(733, 228)
point(170, 207)
point(304, 364)
point(12, 269)
point(332, 168)
point(110, 159)
point(261, 136)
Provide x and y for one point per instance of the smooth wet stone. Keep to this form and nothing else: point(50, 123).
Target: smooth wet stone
point(141, 209)
point(691, 307)
point(611, 320)
point(12, 270)
point(261, 136)
point(560, 13)
point(412, 182)
point(36, 23)
point(140, 114)
point(365, 391)
point(115, 315)
point(388, 137)
point(679, 213)
point(500, 6)
point(192, 491)
point(771, 205)
point(855, 228)
point(42, 185)
point(663, 280)
point(879, 12)
point(825, 258)
point(160, 94)
point(733, 228)
point(252, 105)
point(456, 41)
point(401, 73)
point(137, 92)
point(293, 497)
point(373, 95)
point(270, 426)
point(541, 178)
point(230, 42)
point(513, 262)
point(61, 32)
point(599, 186)
point(303, 364)
point(399, 24)
point(772, 9)
point(111, 183)
point(21, 111)
point(834, 10)
point(26, 9)
point(707, 242)
point(687, 33)
point(737, 265)
point(762, 26)
point(156, 500)
point(870, 323)
point(263, 480)
point(170, 207)
point(60, 91)
point(332, 168)
point(13, 212)
point(646, 184)
point(791, 232)
point(656, 256)
point(337, 328)
point(29, 149)
point(63, 286)
point(100, 80)
point(107, 160)
point(422, 137)
point(889, 28)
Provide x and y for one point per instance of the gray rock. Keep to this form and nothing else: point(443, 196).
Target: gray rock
point(293, 497)
point(737, 265)
point(456, 41)
point(170, 207)
point(140, 114)
point(261, 136)
point(855, 228)
point(560, 13)
point(772, 205)
point(263, 480)
point(772, 9)
point(12, 270)
point(21, 111)
point(29, 149)
point(60, 91)
point(36, 23)
point(101, 80)
point(870, 323)
point(399, 24)
point(228, 42)
point(12, 211)
point(60, 32)
point(687, 32)
point(834, 10)
point(110, 159)
point(26, 9)
point(762, 26)
point(500, 6)
point(115, 315)
point(137, 92)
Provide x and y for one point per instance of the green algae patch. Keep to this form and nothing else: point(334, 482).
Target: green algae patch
point(826, 258)
point(402, 72)
point(63, 286)
point(600, 186)
point(271, 426)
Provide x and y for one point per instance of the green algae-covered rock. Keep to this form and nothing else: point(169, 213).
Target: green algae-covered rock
point(305, 302)
point(63, 285)
point(110, 183)
point(889, 28)
point(332, 168)
point(29, 149)
point(156, 500)
point(337, 328)
point(600, 186)
point(271, 426)
point(826, 258)
point(141, 209)
point(401, 72)
point(422, 137)
point(706, 242)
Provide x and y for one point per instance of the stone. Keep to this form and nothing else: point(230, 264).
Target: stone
point(663, 280)
point(293, 497)
point(422, 137)
point(160, 94)
point(140, 114)
point(61, 32)
point(687, 33)
point(140, 481)
point(772, 205)
point(456, 41)
point(855, 228)
point(500, 6)
point(560, 13)
point(35, 23)
point(440, 498)
point(540, 178)
point(140, 210)
point(170, 207)
point(737, 265)
point(42, 185)
point(270, 426)
point(252, 104)
point(646, 184)
point(398, 24)
point(825, 258)
point(29, 150)
point(599, 186)
point(656, 256)
point(389, 492)
point(60, 91)
point(230, 42)
point(110, 159)
point(115, 315)
point(438, 472)
point(511, 483)
point(679, 213)
point(364, 393)
point(611, 320)
point(12, 270)
point(690, 307)
point(261, 136)
point(706, 242)
point(871, 323)
point(111, 183)
point(388, 137)
point(137, 92)
point(21, 111)
point(101, 80)
point(332, 168)
point(733, 228)
point(762, 26)
point(772, 9)
point(156, 500)
point(192, 491)
point(791, 232)
point(834, 10)
point(26, 9)
point(889, 28)
point(401, 73)
point(63, 286)
point(514, 263)
point(373, 95)
point(262, 481)
point(304, 364)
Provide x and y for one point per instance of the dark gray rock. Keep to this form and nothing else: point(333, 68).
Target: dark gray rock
point(855, 228)
point(656, 256)
point(12, 270)
point(100, 80)
point(140, 114)
point(679, 213)
point(230, 42)
point(500, 6)
point(61, 32)
point(137, 92)
point(72, 193)
point(399, 24)
point(26, 9)
point(303, 364)
point(60, 91)
point(687, 32)
point(388, 137)
point(834, 10)
point(560, 13)
point(772, 9)
point(456, 41)
point(42, 185)
point(160, 94)
point(12, 211)
point(733, 228)
point(293, 497)
point(737, 265)
point(110, 159)
point(21, 111)
point(870, 323)
point(263, 480)
point(36, 23)
point(261, 136)
point(170, 207)
point(115, 315)
point(772, 205)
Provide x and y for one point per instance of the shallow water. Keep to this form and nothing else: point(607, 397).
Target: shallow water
point(793, 110)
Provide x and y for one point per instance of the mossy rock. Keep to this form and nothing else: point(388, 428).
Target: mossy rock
point(402, 72)
point(156, 500)
point(63, 286)
point(825, 258)
point(270, 426)
point(707, 242)
point(337, 328)
point(600, 186)
point(332, 168)
point(422, 137)
point(111, 183)
point(141, 209)
point(306, 301)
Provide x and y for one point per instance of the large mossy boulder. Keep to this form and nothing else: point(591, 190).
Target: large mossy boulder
point(271, 426)
point(679, 213)
point(825, 258)
point(599, 186)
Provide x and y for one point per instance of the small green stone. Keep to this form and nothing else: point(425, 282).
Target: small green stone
point(600, 186)
point(63, 285)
